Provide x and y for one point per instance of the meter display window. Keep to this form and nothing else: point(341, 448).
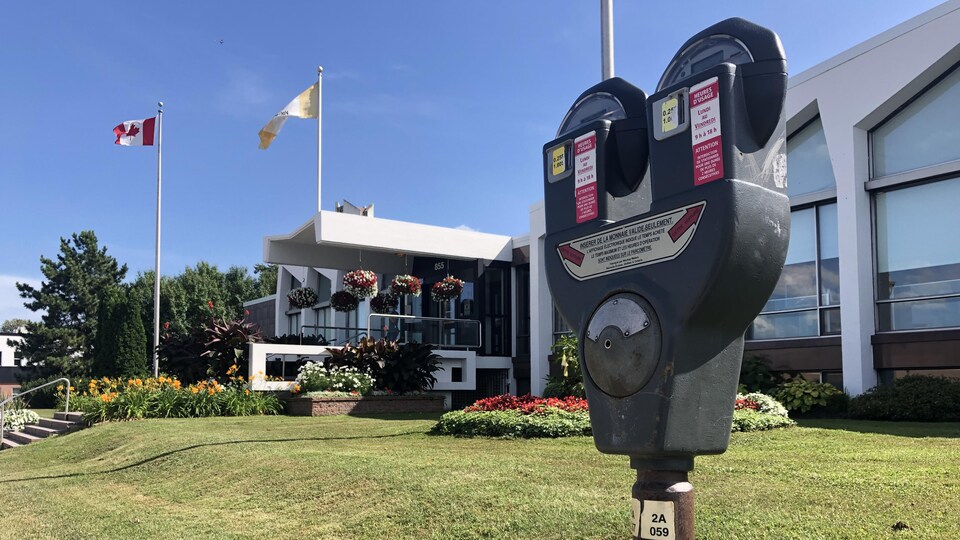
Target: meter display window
point(599, 106)
point(703, 55)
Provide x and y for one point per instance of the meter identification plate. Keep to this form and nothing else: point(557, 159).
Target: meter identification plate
point(641, 243)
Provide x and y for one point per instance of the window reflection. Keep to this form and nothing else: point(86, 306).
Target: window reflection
point(808, 162)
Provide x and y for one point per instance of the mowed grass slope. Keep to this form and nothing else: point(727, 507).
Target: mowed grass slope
point(350, 477)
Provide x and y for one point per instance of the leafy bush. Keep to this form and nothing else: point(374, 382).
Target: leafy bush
point(761, 403)
point(296, 339)
point(208, 352)
point(565, 353)
point(398, 368)
point(410, 369)
point(45, 398)
point(750, 420)
point(916, 398)
point(313, 377)
point(755, 375)
point(18, 416)
point(547, 422)
point(802, 395)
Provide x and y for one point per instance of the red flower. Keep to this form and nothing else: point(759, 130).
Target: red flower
point(210, 304)
point(166, 326)
point(246, 312)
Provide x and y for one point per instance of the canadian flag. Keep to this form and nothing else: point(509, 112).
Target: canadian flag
point(135, 132)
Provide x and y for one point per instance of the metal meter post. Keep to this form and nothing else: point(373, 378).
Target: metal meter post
point(667, 224)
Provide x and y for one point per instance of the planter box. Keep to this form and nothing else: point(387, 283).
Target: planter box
point(329, 406)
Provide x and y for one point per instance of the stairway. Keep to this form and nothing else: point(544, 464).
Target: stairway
point(61, 423)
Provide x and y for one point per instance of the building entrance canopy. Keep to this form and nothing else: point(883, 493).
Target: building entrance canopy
point(343, 241)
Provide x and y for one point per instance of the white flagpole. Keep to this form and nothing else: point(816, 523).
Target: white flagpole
point(606, 39)
point(156, 268)
point(319, 129)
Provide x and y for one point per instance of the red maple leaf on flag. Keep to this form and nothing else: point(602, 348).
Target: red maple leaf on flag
point(132, 132)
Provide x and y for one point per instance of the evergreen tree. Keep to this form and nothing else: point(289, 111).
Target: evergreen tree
point(131, 338)
point(266, 279)
point(105, 344)
point(69, 298)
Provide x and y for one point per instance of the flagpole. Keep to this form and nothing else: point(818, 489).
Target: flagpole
point(156, 267)
point(319, 129)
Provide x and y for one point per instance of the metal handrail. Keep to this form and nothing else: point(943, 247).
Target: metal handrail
point(3, 404)
point(319, 327)
point(442, 319)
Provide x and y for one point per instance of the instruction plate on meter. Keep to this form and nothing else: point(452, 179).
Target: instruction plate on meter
point(641, 243)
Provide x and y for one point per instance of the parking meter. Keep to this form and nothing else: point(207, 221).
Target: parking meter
point(660, 292)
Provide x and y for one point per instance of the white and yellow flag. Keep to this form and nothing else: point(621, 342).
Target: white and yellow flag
point(302, 106)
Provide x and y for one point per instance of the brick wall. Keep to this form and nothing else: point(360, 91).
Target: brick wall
point(306, 406)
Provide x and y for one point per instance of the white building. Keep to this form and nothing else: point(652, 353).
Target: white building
point(10, 364)
point(871, 287)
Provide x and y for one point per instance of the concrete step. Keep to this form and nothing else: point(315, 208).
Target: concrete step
point(7, 443)
point(69, 417)
point(60, 426)
point(22, 438)
point(40, 431)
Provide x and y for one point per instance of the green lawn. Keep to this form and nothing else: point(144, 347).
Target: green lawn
point(349, 477)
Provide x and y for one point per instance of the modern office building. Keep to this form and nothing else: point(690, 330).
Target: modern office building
point(871, 286)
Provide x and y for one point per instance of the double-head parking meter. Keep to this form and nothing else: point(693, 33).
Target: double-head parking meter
point(667, 224)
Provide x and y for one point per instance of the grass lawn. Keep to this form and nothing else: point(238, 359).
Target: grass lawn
point(350, 477)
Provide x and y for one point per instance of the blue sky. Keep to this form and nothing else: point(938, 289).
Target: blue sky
point(434, 111)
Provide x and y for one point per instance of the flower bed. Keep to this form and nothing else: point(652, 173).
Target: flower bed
point(334, 405)
point(529, 416)
point(165, 397)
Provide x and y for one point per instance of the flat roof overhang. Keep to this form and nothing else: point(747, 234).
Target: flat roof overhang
point(339, 241)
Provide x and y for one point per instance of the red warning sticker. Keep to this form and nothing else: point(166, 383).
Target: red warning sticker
point(585, 165)
point(706, 137)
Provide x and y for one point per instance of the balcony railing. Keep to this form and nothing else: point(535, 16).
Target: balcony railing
point(439, 332)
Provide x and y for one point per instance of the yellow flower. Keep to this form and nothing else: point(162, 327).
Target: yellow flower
point(105, 398)
point(211, 391)
point(194, 389)
point(72, 389)
point(176, 385)
point(60, 388)
point(246, 392)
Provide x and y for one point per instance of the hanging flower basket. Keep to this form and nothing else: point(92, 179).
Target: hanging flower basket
point(344, 301)
point(384, 302)
point(405, 284)
point(446, 289)
point(303, 297)
point(360, 283)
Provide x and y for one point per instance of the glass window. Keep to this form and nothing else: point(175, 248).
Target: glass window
point(797, 287)
point(829, 244)
point(918, 257)
point(924, 133)
point(808, 162)
point(805, 299)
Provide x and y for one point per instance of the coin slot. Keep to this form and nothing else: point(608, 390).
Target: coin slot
point(607, 344)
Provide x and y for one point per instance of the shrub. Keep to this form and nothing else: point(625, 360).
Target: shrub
point(314, 377)
point(296, 339)
point(916, 398)
point(750, 420)
point(18, 416)
point(801, 395)
point(761, 403)
point(401, 369)
point(409, 370)
point(547, 422)
point(208, 352)
point(565, 353)
point(755, 375)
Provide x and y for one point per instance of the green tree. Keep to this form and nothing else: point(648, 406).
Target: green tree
point(11, 326)
point(68, 298)
point(105, 344)
point(131, 338)
point(266, 276)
